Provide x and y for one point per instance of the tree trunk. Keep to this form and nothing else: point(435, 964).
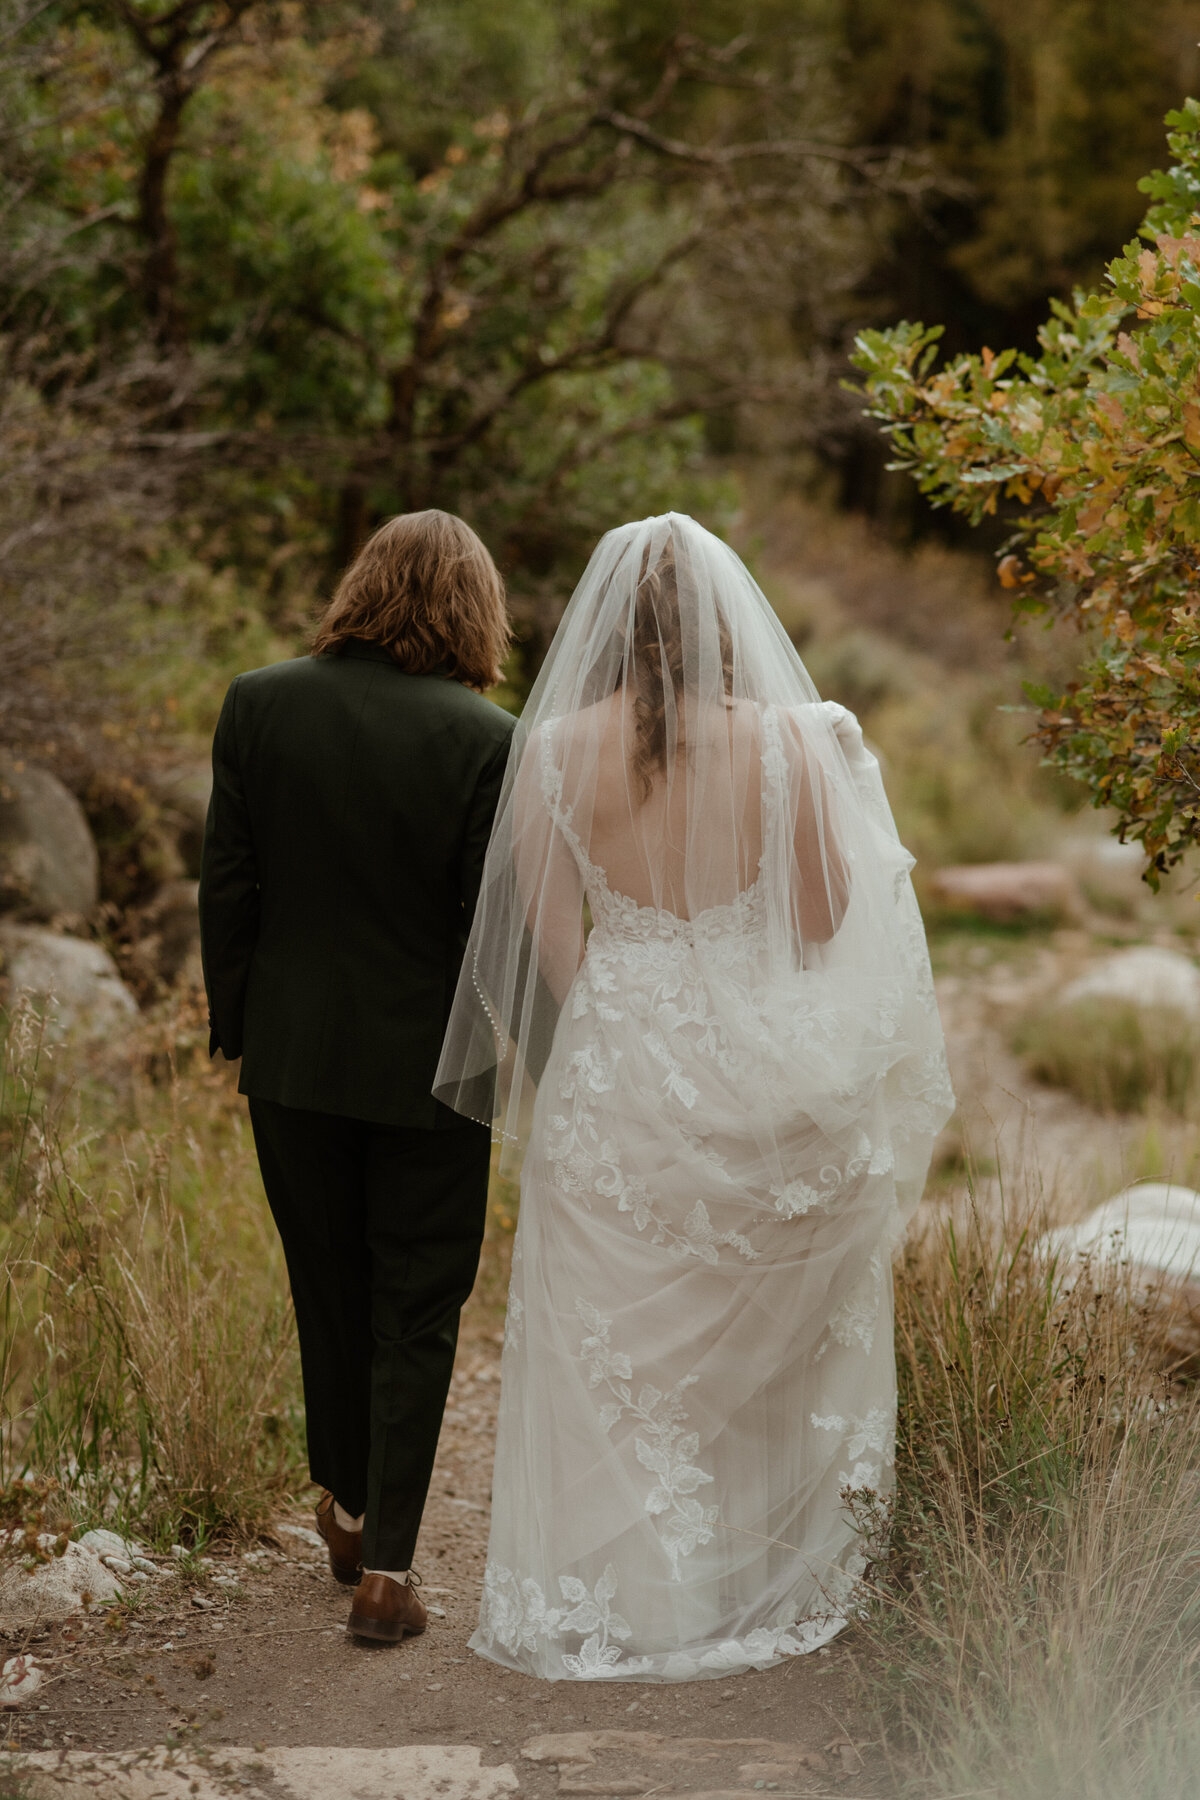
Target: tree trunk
point(160, 271)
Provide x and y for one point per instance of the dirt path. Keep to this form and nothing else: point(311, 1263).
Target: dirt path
point(208, 1669)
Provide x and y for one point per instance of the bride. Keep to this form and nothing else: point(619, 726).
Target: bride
point(697, 988)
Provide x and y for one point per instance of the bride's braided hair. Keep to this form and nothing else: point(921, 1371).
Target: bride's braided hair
point(658, 654)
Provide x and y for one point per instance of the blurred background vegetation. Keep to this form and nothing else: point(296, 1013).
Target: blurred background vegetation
point(271, 271)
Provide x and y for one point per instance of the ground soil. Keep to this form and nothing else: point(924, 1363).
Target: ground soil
point(271, 1664)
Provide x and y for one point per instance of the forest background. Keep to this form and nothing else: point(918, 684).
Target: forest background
point(270, 272)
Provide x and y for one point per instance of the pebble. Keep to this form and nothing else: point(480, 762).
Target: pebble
point(20, 1677)
point(304, 1534)
point(119, 1554)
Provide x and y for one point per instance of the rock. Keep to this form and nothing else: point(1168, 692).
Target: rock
point(183, 794)
point(1142, 976)
point(1007, 892)
point(77, 982)
point(49, 865)
point(167, 934)
point(413, 1771)
point(303, 1533)
point(54, 1590)
point(111, 1548)
point(1154, 1227)
point(20, 1677)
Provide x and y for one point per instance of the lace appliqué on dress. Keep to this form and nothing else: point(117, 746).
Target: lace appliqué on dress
point(515, 1614)
point(661, 1441)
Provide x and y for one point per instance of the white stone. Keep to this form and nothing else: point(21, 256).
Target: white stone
point(304, 1535)
point(77, 983)
point(1154, 1226)
point(20, 1677)
point(1005, 892)
point(55, 1589)
point(1145, 975)
point(112, 1549)
point(408, 1772)
point(109, 1543)
point(48, 861)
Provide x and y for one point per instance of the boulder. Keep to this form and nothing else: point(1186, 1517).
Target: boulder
point(1144, 975)
point(76, 982)
point(1008, 892)
point(183, 794)
point(167, 934)
point(1154, 1228)
point(49, 866)
point(55, 1589)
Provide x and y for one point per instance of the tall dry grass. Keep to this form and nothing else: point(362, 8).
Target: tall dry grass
point(146, 1339)
point(1036, 1633)
point(1115, 1056)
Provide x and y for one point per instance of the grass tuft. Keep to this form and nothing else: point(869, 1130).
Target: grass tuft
point(1036, 1630)
point(1114, 1055)
point(147, 1358)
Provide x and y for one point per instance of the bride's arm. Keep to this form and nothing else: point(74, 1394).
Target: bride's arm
point(548, 878)
point(823, 884)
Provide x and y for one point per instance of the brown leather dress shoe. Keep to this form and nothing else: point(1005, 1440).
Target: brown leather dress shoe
point(345, 1547)
point(384, 1611)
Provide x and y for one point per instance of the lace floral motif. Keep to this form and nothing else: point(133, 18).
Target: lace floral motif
point(857, 1318)
point(587, 1166)
point(515, 1614)
point(514, 1312)
point(795, 1198)
point(869, 1441)
point(662, 1443)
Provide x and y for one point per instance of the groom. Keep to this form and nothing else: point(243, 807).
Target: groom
point(353, 797)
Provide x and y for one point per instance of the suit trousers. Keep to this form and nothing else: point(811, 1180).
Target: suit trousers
point(381, 1227)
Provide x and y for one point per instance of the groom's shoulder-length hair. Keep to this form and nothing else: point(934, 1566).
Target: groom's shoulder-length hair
point(425, 586)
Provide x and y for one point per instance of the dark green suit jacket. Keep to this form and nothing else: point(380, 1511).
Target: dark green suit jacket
point(351, 810)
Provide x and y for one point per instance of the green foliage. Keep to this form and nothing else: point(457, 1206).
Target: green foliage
point(1101, 433)
point(272, 273)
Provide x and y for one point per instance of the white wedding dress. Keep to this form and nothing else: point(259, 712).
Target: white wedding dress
point(731, 1124)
